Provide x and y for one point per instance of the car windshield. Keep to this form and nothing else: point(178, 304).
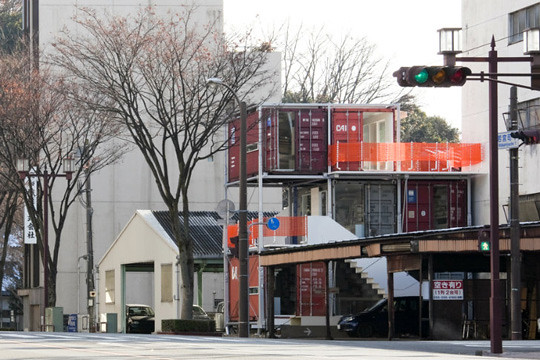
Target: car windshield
point(198, 311)
point(141, 311)
point(377, 304)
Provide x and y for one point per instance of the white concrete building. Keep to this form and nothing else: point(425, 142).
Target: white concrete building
point(505, 21)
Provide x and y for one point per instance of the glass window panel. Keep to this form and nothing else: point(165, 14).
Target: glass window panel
point(166, 283)
point(349, 206)
point(286, 140)
point(109, 287)
point(520, 20)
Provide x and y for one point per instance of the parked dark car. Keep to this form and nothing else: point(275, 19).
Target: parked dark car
point(139, 319)
point(374, 320)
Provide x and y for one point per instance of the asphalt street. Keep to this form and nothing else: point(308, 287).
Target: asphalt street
point(35, 345)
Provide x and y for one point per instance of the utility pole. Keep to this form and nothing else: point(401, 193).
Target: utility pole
point(90, 254)
point(515, 253)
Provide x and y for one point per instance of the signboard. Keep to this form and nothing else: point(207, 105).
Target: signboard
point(29, 231)
point(505, 141)
point(447, 289)
point(411, 196)
point(273, 223)
point(72, 323)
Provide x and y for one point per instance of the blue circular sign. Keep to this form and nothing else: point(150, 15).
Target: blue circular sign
point(273, 223)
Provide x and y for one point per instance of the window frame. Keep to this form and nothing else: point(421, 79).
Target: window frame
point(525, 19)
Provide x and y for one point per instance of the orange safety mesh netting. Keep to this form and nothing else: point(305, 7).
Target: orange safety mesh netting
point(413, 156)
point(288, 226)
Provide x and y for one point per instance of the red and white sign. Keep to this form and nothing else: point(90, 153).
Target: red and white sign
point(447, 289)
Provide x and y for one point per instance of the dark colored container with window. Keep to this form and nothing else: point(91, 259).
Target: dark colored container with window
point(295, 140)
point(431, 205)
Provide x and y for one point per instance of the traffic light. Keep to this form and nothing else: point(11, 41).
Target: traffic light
point(432, 76)
point(484, 245)
point(527, 136)
point(234, 248)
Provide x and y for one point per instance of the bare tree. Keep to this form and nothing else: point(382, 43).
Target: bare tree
point(9, 205)
point(319, 68)
point(153, 71)
point(40, 122)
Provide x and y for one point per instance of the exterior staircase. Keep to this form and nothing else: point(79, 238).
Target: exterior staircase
point(353, 263)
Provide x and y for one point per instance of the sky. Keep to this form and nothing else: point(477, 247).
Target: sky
point(404, 32)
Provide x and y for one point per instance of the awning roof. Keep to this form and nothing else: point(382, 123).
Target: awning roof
point(453, 240)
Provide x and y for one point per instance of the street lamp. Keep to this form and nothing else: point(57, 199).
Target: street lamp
point(243, 307)
point(531, 46)
point(531, 41)
point(23, 168)
point(449, 44)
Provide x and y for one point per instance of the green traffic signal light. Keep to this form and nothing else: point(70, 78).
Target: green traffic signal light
point(485, 246)
point(422, 76)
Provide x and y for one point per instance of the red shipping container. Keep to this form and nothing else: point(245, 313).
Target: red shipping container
point(252, 151)
point(347, 126)
point(295, 140)
point(234, 288)
point(431, 205)
point(311, 289)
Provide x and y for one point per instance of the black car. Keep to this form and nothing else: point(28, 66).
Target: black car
point(139, 319)
point(374, 320)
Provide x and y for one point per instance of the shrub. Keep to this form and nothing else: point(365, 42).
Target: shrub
point(181, 325)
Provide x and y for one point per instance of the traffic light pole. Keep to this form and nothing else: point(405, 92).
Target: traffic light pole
point(451, 75)
point(495, 299)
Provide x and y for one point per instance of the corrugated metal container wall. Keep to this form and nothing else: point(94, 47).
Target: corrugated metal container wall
point(295, 140)
point(433, 205)
point(381, 202)
point(252, 151)
point(347, 127)
point(311, 285)
point(234, 288)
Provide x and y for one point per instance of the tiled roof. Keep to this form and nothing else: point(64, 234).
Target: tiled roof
point(206, 233)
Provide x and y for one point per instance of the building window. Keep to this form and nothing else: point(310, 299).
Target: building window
point(349, 206)
point(166, 283)
point(529, 114)
point(529, 207)
point(322, 203)
point(306, 205)
point(109, 287)
point(521, 20)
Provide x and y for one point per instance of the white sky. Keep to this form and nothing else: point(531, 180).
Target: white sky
point(404, 31)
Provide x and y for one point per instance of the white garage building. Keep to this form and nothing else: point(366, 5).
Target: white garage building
point(140, 267)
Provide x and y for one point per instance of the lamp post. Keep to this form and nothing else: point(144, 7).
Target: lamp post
point(532, 40)
point(243, 299)
point(23, 168)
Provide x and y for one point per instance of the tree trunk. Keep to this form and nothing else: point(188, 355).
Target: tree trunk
point(10, 207)
point(185, 257)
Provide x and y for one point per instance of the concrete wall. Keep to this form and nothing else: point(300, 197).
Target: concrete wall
point(480, 20)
